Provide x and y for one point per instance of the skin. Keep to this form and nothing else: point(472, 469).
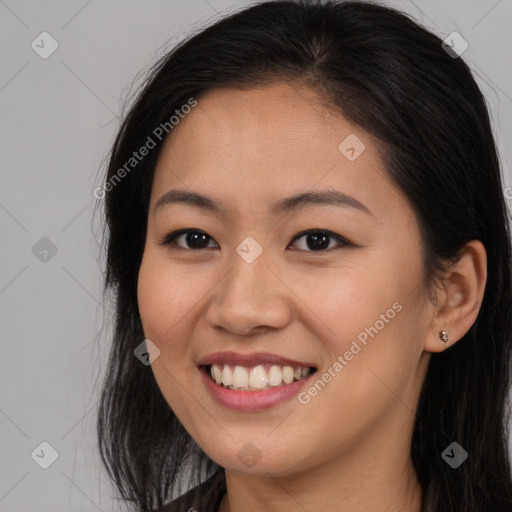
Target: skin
point(348, 449)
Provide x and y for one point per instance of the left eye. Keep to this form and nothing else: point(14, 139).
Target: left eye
point(317, 240)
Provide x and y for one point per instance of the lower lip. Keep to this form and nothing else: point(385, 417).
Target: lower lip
point(252, 400)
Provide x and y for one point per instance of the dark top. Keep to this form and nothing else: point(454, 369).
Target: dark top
point(205, 497)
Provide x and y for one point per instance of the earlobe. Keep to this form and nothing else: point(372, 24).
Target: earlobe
point(462, 291)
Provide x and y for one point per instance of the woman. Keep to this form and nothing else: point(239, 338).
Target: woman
point(310, 256)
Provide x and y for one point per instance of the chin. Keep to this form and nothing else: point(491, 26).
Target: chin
point(253, 458)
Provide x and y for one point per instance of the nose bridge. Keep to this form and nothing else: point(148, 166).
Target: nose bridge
point(249, 295)
point(249, 273)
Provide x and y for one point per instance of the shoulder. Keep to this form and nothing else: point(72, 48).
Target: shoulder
point(205, 497)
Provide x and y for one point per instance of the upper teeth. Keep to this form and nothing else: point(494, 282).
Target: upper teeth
point(256, 377)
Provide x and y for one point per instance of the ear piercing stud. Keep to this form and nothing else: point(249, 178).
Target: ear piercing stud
point(444, 336)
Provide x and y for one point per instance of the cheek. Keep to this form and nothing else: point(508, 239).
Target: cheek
point(367, 314)
point(163, 306)
point(343, 302)
point(150, 290)
point(164, 297)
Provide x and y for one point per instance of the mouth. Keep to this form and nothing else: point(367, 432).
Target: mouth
point(255, 378)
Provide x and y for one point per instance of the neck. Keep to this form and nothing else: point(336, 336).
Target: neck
point(379, 484)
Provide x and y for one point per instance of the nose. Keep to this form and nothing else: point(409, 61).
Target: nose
point(249, 298)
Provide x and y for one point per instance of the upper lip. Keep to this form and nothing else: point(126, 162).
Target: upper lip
point(257, 358)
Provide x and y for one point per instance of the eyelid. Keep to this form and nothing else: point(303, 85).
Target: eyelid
point(344, 242)
point(169, 238)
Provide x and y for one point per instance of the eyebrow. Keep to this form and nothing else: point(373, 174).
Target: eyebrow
point(295, 202)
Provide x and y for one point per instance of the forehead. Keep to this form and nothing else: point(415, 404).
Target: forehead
point(264, 142)
point(276, 118)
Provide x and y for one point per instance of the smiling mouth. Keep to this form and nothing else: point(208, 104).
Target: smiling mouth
point(255, 378)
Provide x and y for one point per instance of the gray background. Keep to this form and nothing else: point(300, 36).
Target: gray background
point(59, 116)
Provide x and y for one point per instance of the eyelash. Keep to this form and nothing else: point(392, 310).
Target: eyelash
point(169, 240)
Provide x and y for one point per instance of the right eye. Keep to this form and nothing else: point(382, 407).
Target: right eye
point(194, 238)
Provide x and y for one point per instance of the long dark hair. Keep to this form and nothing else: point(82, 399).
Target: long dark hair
point(392, 77)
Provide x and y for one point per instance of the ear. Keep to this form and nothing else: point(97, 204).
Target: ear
point(459, 297)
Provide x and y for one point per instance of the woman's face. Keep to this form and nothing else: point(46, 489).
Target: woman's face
point(249, 283)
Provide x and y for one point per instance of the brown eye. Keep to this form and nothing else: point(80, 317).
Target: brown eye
point(319, 240)
point(193, 239)
point(316, 240)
